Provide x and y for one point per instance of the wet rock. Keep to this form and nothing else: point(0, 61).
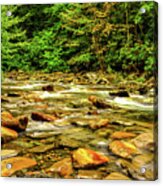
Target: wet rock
point(33, 97)
point(17, 163)
point(23, 122)
point(123, 122)
point(99, 103)
point(19, 124)
point(89, 174)
point(8, 134)
point(48, 88)
point(42, 135)
point(104, 132)
point(14, 94)
point(123, 149)
point(119, 93)
point(99, 124)
point(6, 114)
point(99, 143)
point(122, 135)
point(66, 141)
point(142, 160)
point(23, 144)
point(79, 134)
point(116, 176)
point(39, 116)
point(41, 148)
point(8, 153)
point(5, 99)
point(83, 158)
point(144, 140)
point(128, 167)
point(135, 171)
point(63, 167)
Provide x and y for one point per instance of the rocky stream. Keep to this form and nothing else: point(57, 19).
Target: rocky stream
point(83, 126)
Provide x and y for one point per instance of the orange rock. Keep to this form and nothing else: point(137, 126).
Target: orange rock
point(63, 167)
point(6, 114)
point(97, 102)
point(17, 163)
point(123, 149)
point(121, 135)
point(18, 124)
point(8, 134)
point(86, 157)
point(99, 124)
point(41, 106)
point(39, 116)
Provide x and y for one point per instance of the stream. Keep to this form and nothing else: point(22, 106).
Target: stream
point(123, 132)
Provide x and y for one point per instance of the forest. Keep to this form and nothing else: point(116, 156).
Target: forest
point(73, 37)
point(79, 90)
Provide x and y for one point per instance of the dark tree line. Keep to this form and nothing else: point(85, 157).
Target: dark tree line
point(80, 37)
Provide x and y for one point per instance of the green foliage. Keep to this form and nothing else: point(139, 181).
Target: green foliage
point(76, 37)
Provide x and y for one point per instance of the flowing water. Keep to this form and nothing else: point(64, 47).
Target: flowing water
point(76, 126)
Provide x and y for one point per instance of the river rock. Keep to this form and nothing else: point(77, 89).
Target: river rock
point(19, 124)
point(142, 160)
point(119, 93)
point(99, 124)
point(48, 88)
point(123, 149)
point(17, 163)
point(144, 140)
point(65, 141)
point(5, 99)
point(41, 148)
point(8, 134)
point(63, 167)
point(39, 116)
point(89, 174)
point(116, 176)
point(8, 153)
point(98, 102)
point(122, 135)
point(83, 158)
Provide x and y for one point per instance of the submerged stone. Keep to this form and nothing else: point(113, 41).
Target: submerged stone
point(116, 176)
point(66, 141)
point(123, 149)
point(144, 140)
point(41, 148)
point(89, 174)
point(8, 153)
point(63, 167)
